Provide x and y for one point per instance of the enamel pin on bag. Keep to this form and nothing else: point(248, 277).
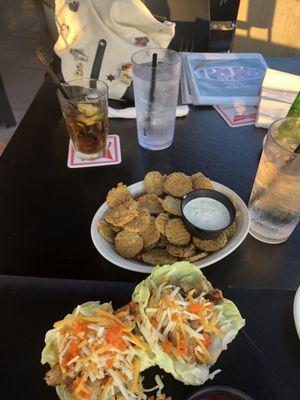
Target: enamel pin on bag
point(97, 38)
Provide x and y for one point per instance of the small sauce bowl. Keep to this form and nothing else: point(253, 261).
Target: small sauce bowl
point(219, 393)
point(212, 194)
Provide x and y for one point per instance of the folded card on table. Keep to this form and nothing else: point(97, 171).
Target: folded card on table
point(278, 91)
point(237, 115)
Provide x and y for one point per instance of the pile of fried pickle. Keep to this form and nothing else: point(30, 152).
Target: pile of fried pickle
point(150, 227)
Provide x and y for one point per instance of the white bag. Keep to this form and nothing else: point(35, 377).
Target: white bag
point(112, 29)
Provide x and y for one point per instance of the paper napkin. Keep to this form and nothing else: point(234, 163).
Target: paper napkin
point(278, 91)
point(130, 112)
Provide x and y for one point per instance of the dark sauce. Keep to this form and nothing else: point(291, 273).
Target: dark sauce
point(217, 396)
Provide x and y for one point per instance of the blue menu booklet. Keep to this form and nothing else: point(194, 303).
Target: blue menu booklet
point(224, 78)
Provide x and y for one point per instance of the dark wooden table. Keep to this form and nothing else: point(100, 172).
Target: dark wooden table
point(46, 208)
point(45, 215)
point(250, 363)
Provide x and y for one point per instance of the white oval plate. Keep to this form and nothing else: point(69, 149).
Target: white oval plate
point(296, 310)
point(107, 250)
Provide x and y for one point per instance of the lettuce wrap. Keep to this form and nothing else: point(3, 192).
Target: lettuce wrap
point(96, 353)
point(185, 321)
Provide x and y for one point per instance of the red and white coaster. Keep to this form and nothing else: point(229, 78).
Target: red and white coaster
point(238, 115)
point(112, 156)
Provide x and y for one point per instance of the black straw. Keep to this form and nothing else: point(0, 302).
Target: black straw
point(50, 71)
point(153, 77)
point(152, 90)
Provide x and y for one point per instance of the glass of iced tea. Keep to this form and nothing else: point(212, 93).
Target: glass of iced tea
point(86, 113)
point(274, 203)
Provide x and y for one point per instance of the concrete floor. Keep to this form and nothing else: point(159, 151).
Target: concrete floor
point(22, 31)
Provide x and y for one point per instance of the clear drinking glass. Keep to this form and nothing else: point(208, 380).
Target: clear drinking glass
point(274, 203)
point(86, 115)
point(156, 95)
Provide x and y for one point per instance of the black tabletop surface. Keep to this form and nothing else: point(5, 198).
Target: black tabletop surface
point(46, 208)
point(263, 360)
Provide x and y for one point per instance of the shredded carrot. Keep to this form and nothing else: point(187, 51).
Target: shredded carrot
point(136, 371)
point(182, 348)
point(121, 377)
point(106, 383)
point(168, 346)
point(137, 341)
point(113, 336)
point(199, 356)
point(120, 314)
point(207, 339)
point(194, 308)
point(170, 303)
point(83, 343)
point(160, 310)
point(154, 322)
point(71, 320)
point(109, 316)
point(77, 327)
point(179, 320)
point(81, 382)
point(140, 396)
point(83, 394)
point(109, 362)
point(101, 350)
point(201, 344)
point(71, 353)
point(214, 329)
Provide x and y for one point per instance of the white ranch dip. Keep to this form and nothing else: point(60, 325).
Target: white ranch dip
point(207, 213)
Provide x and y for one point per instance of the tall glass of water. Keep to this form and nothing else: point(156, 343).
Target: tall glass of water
point(274, 204)
point(156, 87)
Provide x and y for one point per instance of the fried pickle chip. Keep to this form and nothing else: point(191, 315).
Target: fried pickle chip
point(154, 183)
point(105, 231)
point(230, 231)
point(128, 244)
point(200, 181)
point(178, 184)
point(158, 257)
point(177, 233)
point(151, 203)
point(181, 251)
point(140, 223)
point(211, 245)
point(196, 257)
point(172, 205)
point(122, 214)
point(161, 222)
point(162, 243)
point(115, 228)
point(151, 235)
point(118, 195)
point(138, 257)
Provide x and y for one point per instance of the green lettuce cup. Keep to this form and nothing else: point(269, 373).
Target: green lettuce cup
point(96, 353)
point(185, 321)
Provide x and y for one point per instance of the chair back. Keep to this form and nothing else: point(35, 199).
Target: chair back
point(201, 26)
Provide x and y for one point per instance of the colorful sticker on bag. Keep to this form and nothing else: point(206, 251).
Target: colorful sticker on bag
point(110, 77)
point(141, 41)
point(79, 69)
point(65, 30)
point(125, 74)
point(79, 55)
point(73, 6)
